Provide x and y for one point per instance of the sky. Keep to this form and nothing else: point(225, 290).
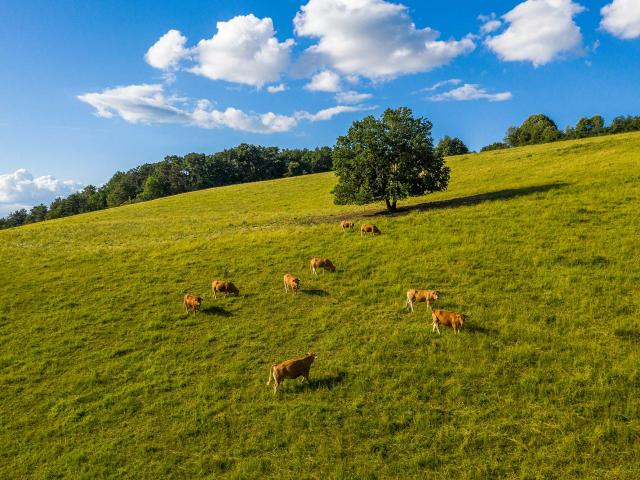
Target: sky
point(89, 88)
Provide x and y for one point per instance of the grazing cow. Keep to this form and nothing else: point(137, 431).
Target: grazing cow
point(291, 369)
point(323, 263)
point(191, 302)
point(454, 320)
point(417, 296)
point(228, 288)
point(291, 282)
point(346, 224)
point(369, 228)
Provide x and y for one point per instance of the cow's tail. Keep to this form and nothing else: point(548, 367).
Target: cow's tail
point(271, 375)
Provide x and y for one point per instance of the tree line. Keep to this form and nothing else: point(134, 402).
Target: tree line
point(541, 129)
point(176, 174)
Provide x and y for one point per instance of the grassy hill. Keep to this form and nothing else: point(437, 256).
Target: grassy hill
point(103, 375)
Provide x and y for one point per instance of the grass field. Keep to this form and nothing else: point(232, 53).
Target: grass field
point(102, 375)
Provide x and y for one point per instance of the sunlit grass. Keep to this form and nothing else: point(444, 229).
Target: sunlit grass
point(103, 375)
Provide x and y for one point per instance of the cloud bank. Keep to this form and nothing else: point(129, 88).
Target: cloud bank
point(148, 104)
point(21, 189)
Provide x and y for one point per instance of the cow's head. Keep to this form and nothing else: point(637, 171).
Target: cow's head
point(330, 266)
point(435, 294)
point(311, 355)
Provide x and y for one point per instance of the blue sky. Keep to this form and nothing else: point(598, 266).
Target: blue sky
point(87, 88)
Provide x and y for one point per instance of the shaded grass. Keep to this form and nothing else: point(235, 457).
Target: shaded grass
point(103, 375)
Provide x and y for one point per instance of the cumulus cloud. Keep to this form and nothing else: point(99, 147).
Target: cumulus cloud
point(167, 52)
point(21, 189)
point(351, 96)
point(276, 88)
point(149, 104)
point(621, 18)
point(539, 32)
point(372, 38)
point(470, 91)
point(244, 50)
point(325, 81)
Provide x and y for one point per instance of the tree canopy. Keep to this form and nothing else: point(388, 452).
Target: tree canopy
point(387, 158)
point(176, 174)
point(448, 147)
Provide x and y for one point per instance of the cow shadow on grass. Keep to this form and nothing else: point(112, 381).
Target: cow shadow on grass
point(328, 382)
point(472, 200)
point(628, 334)
point(474, 328)
point(217, 311)
point(315, 291)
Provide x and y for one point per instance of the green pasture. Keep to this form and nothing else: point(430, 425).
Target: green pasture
point(103, 375)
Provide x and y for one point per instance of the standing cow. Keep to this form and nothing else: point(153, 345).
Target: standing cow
point(417, 296)
point(299, 367)
point(291, 282)
point(323, 263)
point(227, 288)
point(454, 320)
point(346, 225)
point(369, 228)
point(191, 302)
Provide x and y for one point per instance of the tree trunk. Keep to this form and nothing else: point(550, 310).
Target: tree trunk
point(391, 205)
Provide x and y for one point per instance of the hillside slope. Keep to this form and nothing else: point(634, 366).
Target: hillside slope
point(103, 375)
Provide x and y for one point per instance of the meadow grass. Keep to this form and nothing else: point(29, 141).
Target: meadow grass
point(102, 374)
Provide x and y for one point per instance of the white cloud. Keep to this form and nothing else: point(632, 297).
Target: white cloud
point(443, 83)
point(489, 23)
point(329, 113)
point(244, 50)
point(167, 52)
point(148, 104)
point(372, 38)
point(206, 117)
point(325, 81)
point(137, 104)
point(351, 96)
point(621, 18)
point(539, 32)
point(490, 26)
point(276, 88)
point(470, 91)
point(21, 189)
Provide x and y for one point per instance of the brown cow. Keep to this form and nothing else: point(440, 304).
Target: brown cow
point(291, 369)
point(228, 288)
point(346, 224)
point(369, 228)
point(291, 282)
point(191, 302)
point(417, 296)
point(454, 320)
point(323, 263)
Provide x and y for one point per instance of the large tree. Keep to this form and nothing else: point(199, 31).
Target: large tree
point(449, 147)
point(535, 129)
point(388, 159)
